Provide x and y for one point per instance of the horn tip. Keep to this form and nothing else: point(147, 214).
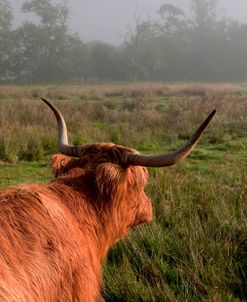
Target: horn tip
point(49, 104)
point(44, 100)
point(211, 115)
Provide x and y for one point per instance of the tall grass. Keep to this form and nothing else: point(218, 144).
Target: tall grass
point(147, 121)
point(195, 249)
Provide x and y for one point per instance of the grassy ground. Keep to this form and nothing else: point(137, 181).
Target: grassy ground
point(196, 247)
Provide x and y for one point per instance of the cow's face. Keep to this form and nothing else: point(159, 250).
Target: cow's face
point(120, 190)
point(124, 188)
point(140, 204)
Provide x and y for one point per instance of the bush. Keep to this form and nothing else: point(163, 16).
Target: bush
point(32, 151)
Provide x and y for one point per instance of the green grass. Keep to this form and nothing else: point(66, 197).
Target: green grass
point(196, 247)
point(190, 252)
point(23, 172)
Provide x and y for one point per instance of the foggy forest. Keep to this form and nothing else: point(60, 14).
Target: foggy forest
point(171, 46)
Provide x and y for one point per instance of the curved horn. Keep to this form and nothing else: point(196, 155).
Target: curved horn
point(62, 144)
point(171, 158)
point(129, 158)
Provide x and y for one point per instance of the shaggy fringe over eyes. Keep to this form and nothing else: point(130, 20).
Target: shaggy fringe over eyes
point(109, 177)
point(112, 180)
point(137, 178)
point(90, 157)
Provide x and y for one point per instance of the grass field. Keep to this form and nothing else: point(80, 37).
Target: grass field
point(196, 247)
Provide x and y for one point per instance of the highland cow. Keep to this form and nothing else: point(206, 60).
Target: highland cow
point(54, 237)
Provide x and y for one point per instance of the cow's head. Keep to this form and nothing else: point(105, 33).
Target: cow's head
point(120, 189)
point(118, 174)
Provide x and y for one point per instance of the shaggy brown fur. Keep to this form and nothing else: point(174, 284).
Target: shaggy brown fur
point(54, 237)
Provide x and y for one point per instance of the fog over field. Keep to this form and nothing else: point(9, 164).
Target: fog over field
point(107, 20)
point(45, 41)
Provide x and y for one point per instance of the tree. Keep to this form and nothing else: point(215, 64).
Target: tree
point(204, 13)
point(104, 62)
point(143, 58)
point(172, 20)
point(47, 52)
point(206, 40)
point(234, 51)
point(51, 15)
point(5, 39)
point(171, 29)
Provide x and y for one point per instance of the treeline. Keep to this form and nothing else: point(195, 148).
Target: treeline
point(169, 46)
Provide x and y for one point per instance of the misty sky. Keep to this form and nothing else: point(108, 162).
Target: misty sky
point(107, 20)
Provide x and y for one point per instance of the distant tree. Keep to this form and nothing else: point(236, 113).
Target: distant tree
point(51, 15)
point(28, 57)
point(206, 41)
point(234, 51)
point(171, 20)
point(105, 62)
point(171, 28)
point(47, 52)
point(204, 13)
point(170, 46)
point(6, 18)
point(75, 58)
point(141, 53)
point(155, 48)
point(5, 15)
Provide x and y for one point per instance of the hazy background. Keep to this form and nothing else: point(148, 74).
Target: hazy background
point(44, 41)
point(107, 20)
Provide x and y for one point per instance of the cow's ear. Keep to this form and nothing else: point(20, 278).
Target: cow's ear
point(110, 180)
point(56, 164)
point(60, 163)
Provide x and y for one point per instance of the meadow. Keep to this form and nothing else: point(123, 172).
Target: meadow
point(196, 247)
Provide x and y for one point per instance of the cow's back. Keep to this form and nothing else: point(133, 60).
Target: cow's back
point(43, 254)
